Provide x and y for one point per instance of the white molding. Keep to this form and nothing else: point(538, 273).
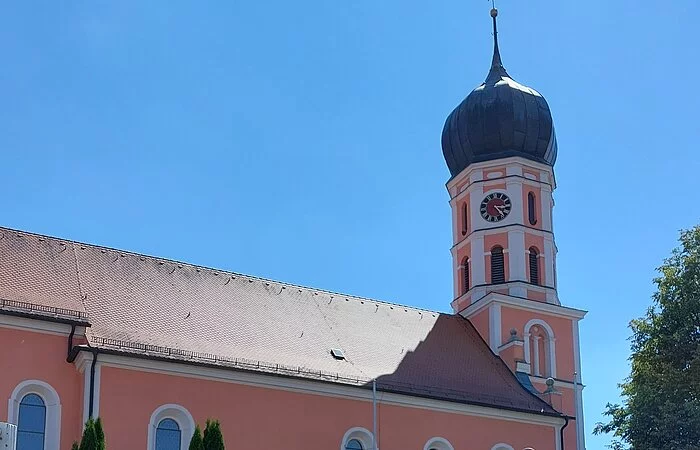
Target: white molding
point(438, 443)
point(39, 326)
point(502, 446)
point(319, 388)
point(501, 228)
point(48, 394)
point(472, 169)
point(524, 304)
point(361, 434)
point(177, 413)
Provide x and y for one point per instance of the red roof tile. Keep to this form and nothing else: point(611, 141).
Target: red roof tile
point(140, 304)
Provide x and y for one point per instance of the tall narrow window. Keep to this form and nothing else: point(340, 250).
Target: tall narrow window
point(465, 223)
point(465, 275)
point(31, 424)
point(531, 212)
point(534, 266)
point(498, 274)
point(168, 435)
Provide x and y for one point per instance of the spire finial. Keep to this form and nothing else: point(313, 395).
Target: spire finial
point(497, 69)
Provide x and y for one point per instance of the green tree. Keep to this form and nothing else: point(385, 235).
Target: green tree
point(93, 436)
point(89, 440)
point(196, 441)
point(661, 397)
point(213, 438)
point(100, 434)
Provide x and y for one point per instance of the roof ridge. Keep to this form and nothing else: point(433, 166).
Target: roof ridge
point(183, 263)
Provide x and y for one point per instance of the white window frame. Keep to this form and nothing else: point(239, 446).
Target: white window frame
point(438, 443)
point(550, 359)
point(177, 413)
point(52, 431)
point(502, 447)
point(361, 434)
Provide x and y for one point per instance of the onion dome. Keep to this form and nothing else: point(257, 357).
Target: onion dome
point(499, 119)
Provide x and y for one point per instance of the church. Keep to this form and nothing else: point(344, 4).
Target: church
point(154, 347)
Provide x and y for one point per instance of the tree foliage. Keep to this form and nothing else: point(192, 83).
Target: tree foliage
point(89, 440)
point(196, 441)
point(213, 438)
point(93, 436)
point(661, 397)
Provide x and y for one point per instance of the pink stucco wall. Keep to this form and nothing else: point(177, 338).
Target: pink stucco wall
point(29, 355)
point(255, 417)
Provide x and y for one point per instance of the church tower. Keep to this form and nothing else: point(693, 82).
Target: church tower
point(500, 146)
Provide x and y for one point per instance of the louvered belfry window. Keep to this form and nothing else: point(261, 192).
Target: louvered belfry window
point(531, 213)
point(465, 273)
point(534, 266)
point(498, 274)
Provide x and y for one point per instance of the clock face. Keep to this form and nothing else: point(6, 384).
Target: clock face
point(495, 206)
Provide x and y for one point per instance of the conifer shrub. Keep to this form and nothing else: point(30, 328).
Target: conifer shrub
point(213, 438)
point(196, 441)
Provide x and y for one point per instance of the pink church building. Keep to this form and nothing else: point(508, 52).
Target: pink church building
point(154, 346)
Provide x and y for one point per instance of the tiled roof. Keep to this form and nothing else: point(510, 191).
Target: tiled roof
point(167, 309)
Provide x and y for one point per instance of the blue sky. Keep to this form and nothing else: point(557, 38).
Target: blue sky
point(300, 141)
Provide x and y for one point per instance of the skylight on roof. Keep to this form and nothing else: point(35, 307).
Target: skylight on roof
point(338, 353)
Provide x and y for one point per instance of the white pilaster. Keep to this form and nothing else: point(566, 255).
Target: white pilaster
point(548, 253)
point(478, 272)
point(514, 188)
point(516, 255)
point(546, 207)
point(536, 355)
point(475, 194)
point(495, 327)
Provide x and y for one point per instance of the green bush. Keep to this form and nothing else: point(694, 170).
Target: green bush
point(213, 438)
point(196, 441)
point(93, 436)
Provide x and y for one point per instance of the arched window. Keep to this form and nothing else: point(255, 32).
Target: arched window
point(357, 438)
point(498, 274)
point(170, 428)
point(354, 444)
point(501, 447)
point(168, 435)
point(540, 350)
point(465, 222)
point(534, 266)
point(531, 212)
point(31, 424)
point(465, 275)
point(35, 408)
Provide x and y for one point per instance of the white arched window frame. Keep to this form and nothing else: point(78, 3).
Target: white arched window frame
point(438, 443)
point(48, 394)
point(502, 447)
point(361, 434)
point(179, 415)
point(550, 356)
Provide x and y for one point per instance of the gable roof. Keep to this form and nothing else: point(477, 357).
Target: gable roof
point(151, 307)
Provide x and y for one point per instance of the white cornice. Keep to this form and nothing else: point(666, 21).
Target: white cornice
point(40, 326)
point(466, 173)
point(319, 388)
point(521, 303)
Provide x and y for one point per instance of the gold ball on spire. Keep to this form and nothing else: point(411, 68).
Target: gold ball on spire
point(494, 12)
